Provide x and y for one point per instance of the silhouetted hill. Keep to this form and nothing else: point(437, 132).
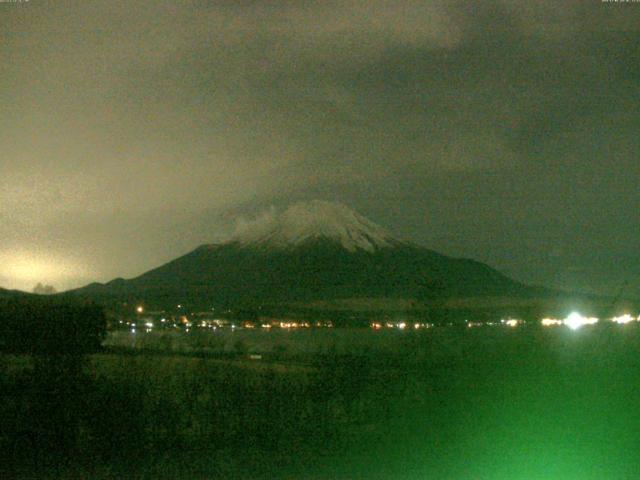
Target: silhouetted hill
point(4, 293)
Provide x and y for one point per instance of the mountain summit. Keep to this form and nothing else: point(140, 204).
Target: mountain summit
point(305, 223)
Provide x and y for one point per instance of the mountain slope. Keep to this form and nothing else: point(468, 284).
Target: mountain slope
point(312, 251)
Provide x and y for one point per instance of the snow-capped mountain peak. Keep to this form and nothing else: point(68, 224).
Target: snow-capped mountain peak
point(304, 222)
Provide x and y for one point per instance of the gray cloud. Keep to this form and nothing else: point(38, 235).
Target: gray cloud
point(134, 131)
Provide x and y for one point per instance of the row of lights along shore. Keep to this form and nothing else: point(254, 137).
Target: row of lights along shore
point(574, 321)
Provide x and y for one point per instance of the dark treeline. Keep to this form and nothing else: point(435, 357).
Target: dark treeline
point(45, 407)
point(38, 326)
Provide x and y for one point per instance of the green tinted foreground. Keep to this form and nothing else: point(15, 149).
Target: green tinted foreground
point(487, 403)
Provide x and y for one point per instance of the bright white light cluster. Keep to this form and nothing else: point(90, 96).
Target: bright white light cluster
point(622, 319)
point(575, 321)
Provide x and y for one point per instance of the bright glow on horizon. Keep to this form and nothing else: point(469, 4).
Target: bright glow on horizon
point(22, 269)
point(575, 321)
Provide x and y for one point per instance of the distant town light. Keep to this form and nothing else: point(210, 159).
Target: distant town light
point(139, 309)
point(550, 322)
point(149, 324)
point(402, 325)
point(622, 319)
point(575, 321)
point(512, 322)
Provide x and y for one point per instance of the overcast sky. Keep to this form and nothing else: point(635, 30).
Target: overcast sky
point(506, 131)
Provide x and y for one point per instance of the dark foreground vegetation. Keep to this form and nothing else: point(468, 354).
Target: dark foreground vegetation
point(46, 326)
point(488, 403)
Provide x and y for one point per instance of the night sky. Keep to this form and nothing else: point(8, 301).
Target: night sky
point(505, 131)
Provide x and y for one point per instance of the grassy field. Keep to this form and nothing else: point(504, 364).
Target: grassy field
point(447, 403)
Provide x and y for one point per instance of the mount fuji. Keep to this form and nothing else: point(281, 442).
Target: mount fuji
point(311, 252)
